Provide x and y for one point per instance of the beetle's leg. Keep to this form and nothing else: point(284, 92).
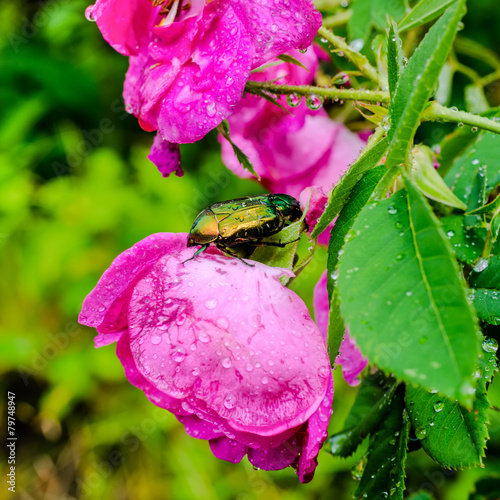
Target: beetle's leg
point(203, 247)
point(232, 254)
point(270, 243)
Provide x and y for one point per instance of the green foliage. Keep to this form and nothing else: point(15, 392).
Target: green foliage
point(370, 408)
point(429, 329)
point(451, 435)
point(424, 66)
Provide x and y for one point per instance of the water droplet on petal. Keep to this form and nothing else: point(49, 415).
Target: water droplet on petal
point(230, 401)
point(178, 354)
point(156, 339)
point(324, 371)
point(265, 380)
point(211, 303)
point(226, 362)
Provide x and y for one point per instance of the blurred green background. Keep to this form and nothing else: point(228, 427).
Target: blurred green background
point(76, 189)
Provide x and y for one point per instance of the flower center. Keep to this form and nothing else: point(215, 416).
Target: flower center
point(171, 8)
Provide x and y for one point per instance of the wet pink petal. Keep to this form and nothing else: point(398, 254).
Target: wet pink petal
point(233, 369)
point(350, 357)
point(166, 156)
point(188, 72)
point(290, 150)
point(314, 200)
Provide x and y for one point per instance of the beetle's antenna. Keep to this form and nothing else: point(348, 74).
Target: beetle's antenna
point(203, 248)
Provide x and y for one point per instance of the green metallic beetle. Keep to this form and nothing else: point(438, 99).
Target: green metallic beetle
point(243, 221)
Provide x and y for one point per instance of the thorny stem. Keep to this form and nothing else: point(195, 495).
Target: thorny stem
point(359, 60)
point(438, 113)
point(328, 93)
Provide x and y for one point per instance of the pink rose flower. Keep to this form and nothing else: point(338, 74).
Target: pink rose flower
point(222, 345)
point(188, 66)
point(294, 149)
point(350, 358)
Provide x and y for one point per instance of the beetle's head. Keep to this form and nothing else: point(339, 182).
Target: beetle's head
point(205, 229)
point(288, 206)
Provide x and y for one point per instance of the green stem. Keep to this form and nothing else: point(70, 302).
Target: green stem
point(359, 60)
point(438, 113)
point(337, 20)
point(488, 245)
point(328, 93)
point(486, 80)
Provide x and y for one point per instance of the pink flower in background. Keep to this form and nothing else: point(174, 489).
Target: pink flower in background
point(189, 63)
point(350, 358)
point(222, 345)
point(290, 150)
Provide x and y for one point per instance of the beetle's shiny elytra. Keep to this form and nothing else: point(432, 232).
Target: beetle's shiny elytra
point(243, 221)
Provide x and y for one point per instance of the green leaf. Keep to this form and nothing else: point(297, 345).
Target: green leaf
point(426, 178)
point(336, 328)
point(359, 24)
point(384, 473)
point(280, 257)
point(378, 112)
point(223, 128)
point(451, 435)
point(466, 243)
point(495, 227)
point(487, 304)
point(403, 298)
point(490, 208)
point(394, 57)
point(475, 100)
point(289, 59)
point(381, 9)
point(368, 159)
point(356, 201)
point(487, 488)
point(420, 495)
point(418, 81)
point(423, 12)
point(486, 274)
point(483, 152)
point(370, 407)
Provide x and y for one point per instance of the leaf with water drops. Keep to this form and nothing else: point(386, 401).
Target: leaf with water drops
point(466, 243)
point(291, 60)
point(417, 81)
point(384, 473)
point(490, 208)
point(487, 304)
point(357, 200)
point(423, 12)
point(486, 274)
point(483, 152)
point(403, 298)
point(394, 57)
point(370, 407)
point(338, 197)
point(426, 178)
point(453, 436)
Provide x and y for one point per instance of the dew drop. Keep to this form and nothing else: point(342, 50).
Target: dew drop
point(323, 371)
point(293, 100)
point(450, 233)
point(230, 401)
point(400, 256)
point(225, 362)
point(438, 406)
point(314, 101)
point(265, 380)
point(392, 210)
point(481, 265)
point(178, 354)
point(490, 345)
point(421, 433)
point(155, 339)
point(211, 303)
